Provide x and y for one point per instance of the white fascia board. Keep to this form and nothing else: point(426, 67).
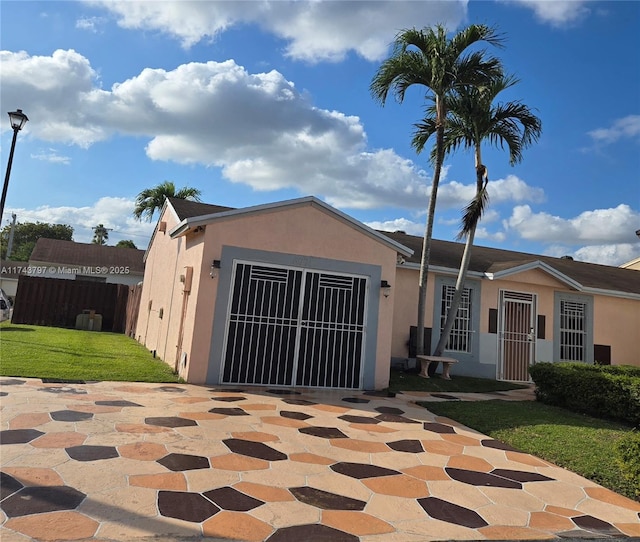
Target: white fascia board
point(194, 222)
point(612, 293)
point(529, 266)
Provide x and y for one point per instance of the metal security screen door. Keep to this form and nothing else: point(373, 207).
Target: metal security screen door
point(291, 326)
point(517, 335)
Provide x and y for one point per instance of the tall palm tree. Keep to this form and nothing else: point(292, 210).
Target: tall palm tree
point(429, 58)
point(472, 119)
point(100, 235)
point(151, 200)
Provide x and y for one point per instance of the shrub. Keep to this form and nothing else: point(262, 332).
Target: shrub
point(628, 451)
point(601, 391)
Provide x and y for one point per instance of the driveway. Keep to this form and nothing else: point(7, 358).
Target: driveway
point(129, 461)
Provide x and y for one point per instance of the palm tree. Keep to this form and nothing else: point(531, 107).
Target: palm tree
point(472, 119)
point(152, 199)
point(428, 58)
point(100, 235)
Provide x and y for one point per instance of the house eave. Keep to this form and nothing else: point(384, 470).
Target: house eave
point(193, 222)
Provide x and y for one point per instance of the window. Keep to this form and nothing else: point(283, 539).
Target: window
point(460, 337)
point(573, 330)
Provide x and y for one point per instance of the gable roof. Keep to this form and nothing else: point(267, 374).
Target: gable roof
point(495, 263)
point(56, 251)
point(213, 213)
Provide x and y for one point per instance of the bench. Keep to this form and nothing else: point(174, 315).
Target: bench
point(425, 361)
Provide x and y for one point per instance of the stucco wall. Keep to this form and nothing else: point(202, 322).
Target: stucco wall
point(298, 231)
point(617, 323)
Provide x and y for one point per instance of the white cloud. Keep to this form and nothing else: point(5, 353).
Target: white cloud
point(114, 213)
point(601, 226)
point(52, 156)
point(556, 12)
point(91, 24)
point(314, 30)
point(610, 254)
point(398, 224)
point(625, 128)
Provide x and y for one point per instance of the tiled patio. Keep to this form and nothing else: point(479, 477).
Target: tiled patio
point(119, 461)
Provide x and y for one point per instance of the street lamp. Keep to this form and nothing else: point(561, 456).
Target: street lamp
point(18, 120)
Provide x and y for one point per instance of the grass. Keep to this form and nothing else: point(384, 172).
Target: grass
point(49, 352)
point(579, 443)
point(408, 381)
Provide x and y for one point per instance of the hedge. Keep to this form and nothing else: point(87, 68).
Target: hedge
point(603, 391)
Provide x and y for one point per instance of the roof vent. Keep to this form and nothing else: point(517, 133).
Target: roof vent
point(566, 257)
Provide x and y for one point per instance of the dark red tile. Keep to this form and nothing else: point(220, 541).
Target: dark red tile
point(356, 400)
point(12, 382)
point(361, 470)
point(42, 499)
point(283, 392)
point(326, 500)
point(311, 533)
point(250, 448)
point(92, 453)
point(186, 506)
point(70, 416)
point(229, 411)
point(394, 418)
point(445, 396)
point(408, 446)
point(485, 479)
point(295, 415)
point(8, 485)
point(451, 513)
point(118, 403)
point(323, 432)
point(228, 498)
point(19, 436)
point(595, 525)
point(301, 402)
point(171, 389)
point(498, 445)
point(170, 421)
point(521, 476)
point(438, 428)
point(232, 399)
point(182, 462)
point(389, 410)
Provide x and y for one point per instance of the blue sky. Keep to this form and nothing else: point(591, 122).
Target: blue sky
point(256, 102)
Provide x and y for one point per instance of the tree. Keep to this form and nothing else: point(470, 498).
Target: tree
point(429, 58)
point(100, 235)
point(151, 200)
point(26, 234)
point(472, 119)
point(126, 243)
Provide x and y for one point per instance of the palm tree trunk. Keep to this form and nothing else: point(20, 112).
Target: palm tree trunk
point(464, 267)
point(428, 234)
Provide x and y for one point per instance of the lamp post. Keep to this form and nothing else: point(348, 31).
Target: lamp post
point(18, 120)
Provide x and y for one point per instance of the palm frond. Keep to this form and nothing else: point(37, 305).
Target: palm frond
point(473, 212)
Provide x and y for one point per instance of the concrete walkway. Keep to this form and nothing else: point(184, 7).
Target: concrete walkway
point(129, 461)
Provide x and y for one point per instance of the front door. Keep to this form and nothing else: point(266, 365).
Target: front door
point(295, 327)
point(517, 335)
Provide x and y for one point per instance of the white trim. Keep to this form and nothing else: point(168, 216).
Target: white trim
point(537, 264)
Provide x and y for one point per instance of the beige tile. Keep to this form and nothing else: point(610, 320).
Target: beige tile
point(356, 523)
point(29, 421)
point(54, 526)
point(264, 492)
point(143, 451)
point(173, 481)
point(501, 532)
point(34, 477)
point(399, 486)
point(285, 514)
point(64, 439)
point(547, 521)
point(237, 526)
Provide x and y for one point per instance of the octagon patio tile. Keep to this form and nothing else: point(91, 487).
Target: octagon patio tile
point(185, 506)
point(41, 499)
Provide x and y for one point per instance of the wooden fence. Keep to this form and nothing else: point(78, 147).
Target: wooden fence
point(57, 302)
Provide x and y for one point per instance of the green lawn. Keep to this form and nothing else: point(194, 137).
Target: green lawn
point(50, 352)
point(579, 443)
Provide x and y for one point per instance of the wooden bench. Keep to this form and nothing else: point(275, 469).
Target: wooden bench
point(425, 361)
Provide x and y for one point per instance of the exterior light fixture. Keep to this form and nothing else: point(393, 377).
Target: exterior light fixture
point(18, 119)
point(215, 265)
point(385, 287)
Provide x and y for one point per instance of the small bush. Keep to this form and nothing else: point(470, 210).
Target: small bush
point(628, 450)
point(602, 391)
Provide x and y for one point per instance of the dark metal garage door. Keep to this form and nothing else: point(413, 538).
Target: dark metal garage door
point(292, 326)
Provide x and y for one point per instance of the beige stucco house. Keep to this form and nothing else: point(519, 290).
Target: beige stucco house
point(297, 293)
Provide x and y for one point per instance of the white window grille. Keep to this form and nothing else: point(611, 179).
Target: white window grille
point(460, 337)
point(573, 330)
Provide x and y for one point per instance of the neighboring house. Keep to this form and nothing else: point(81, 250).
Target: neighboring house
point(297, 293)
point(10, 271)
point(69, 260)
point(633, 264)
